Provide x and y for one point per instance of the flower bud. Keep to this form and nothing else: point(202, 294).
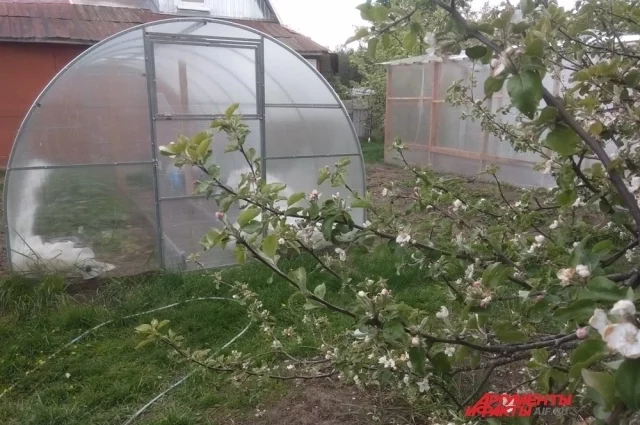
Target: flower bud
point(415, 341)
point(583, 332)
point(219, 215)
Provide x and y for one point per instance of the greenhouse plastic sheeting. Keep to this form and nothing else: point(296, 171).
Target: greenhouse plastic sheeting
point(86, 187)
point(419, 114)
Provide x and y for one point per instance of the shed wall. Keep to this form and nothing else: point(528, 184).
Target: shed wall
point(26, 69)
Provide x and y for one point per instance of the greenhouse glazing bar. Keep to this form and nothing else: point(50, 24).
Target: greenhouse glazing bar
point(153, 102)
point(101, 164)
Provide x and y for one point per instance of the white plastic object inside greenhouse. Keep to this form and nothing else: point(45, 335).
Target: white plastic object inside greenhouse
point(87, 191)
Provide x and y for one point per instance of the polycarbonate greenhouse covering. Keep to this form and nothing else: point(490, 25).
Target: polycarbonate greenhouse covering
point(87, 191)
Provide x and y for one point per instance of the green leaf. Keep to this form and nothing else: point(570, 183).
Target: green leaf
point(603, 383)
point(527, 6)
point(579, 311)
point(507, 333)
point(417, 355)
point(563, 140)
point(361, 203)
point(525, 91)
point(547, 115)
point(603, 247)
point(143, 328)
point(627, 382)
point(587, 353)
point(320, 291)
point(486, 28)
point(372, 45)
point(567, 197)
point(300, 277)
point(230, 110)
point(386, 40)
point(492, 85)
point(270, 245)
point(240, 254)
point(393, 333)
point(602, 289)
point(476, 52)
point(247, 215)
point(496, 274)
point(296, 197)
point(441, 363)
point(409, 41)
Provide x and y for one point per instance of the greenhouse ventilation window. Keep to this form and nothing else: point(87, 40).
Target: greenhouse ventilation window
point(86, 191)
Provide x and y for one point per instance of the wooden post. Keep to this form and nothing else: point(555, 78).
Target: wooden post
point(388, 109)
point(433, 119)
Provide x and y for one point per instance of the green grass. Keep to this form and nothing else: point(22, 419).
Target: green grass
point(372, 152)
point(83, 204)
point(109, 380)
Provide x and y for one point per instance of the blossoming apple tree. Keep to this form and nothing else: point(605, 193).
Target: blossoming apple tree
point(546, 283)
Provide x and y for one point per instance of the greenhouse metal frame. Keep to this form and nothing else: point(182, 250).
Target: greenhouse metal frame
point(298, 119)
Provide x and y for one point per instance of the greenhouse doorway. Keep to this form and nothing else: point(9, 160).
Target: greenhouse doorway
point(175, 61)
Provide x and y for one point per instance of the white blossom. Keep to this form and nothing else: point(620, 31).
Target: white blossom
point(623, 308)
point(366, 224)
point(361, 294)
point(623, 338)
point(443, 313)
point(599, 321)
point(635, 184)
point(281, 241)
point(314, 195)
point(583, 271)
point(450, 350)
point(406, 379)
point(387, 362)
point(539, 239)
point(554, 225)
point(415, 341)
point(547, 167)
point(276, 344)
point(341, 254)
point(485, 301)
point(385, 191)
point(565, 275)
point(291, 367)
point(403, 238)
point(578, 203)
point(457, 204)
point(423, 386)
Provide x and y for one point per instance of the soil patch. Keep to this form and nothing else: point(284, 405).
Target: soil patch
point(316, 403)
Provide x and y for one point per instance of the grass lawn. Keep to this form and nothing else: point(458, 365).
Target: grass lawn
point(108, 380)
point(372, 152)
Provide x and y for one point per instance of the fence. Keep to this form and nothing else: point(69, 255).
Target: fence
point(433, 130)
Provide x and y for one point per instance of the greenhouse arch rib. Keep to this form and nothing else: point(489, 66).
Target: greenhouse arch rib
point(198, 22)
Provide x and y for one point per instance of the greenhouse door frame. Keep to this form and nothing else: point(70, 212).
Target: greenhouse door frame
point(151, 39)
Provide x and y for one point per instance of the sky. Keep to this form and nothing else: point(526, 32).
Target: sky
point(332, 22)
point(328, 22)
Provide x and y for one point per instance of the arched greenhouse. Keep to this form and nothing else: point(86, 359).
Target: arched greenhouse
point(85, 183)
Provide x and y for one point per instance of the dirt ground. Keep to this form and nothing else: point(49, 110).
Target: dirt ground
point(320, 403)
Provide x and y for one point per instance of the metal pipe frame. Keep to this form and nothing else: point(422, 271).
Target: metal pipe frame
point(100, 164)
point(200, 117)
point(153, 106)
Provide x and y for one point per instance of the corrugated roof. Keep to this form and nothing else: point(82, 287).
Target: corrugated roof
point(61, 21)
